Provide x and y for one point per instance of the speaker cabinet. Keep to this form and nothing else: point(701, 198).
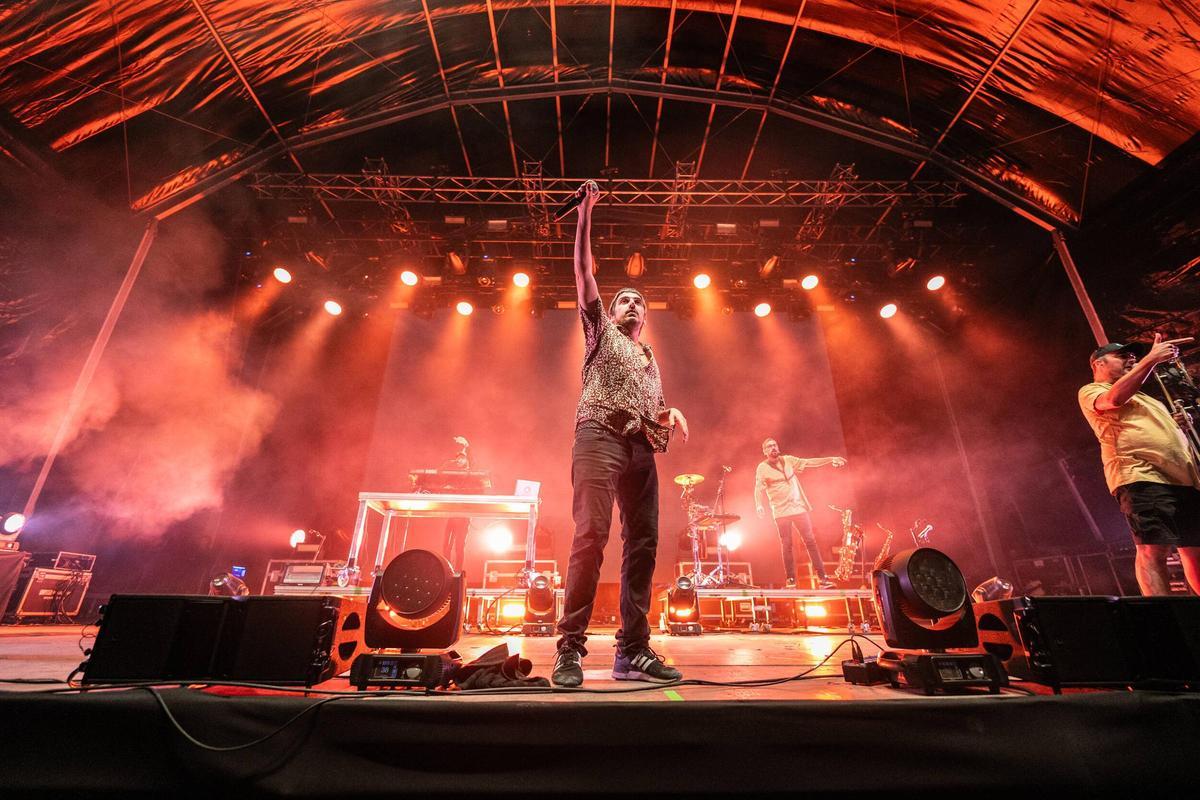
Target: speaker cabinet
point(1163, 638)
point(1056, 641)
point(287, 640)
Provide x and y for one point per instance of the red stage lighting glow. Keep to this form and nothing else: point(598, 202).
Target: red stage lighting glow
point(702, 281)
point(333, 308)
point(810, 282)
point(762, 309)
point(464, 308)
point(520, 279)
point(409, 278)
point(815, 611)
point(936, 282)
point(513, 609)
point(888, 311)
point(282, 275)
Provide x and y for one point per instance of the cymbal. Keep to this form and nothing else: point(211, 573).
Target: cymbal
point(719, 519)
point(689, 479)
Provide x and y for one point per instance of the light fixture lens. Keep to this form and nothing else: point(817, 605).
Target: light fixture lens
point(297, 537)
point(333, 307)
point(464, 308)
point(810, 282)
point(520, 279)
point(731, 540)
point(935, 283)
point(14, 522)
point(409, 278)
point(762, 309)
point(499, 538)
point(702, 281)
point(888, 311)
point(282, 275)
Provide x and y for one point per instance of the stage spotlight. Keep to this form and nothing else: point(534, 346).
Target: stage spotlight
point(815, 611)
point(994, 588)
point(731, 540)
point(227, 584)
point(810, 282)
point(512, 610)
point(923, 605)
point(935, 283)
point(702, 280)
point(282, 275)
point(499, 538)
point(464, 308)
point(416, 603)
point(307, 544)
point(762, 309)
point(768, 266)
point(683, 608)
point(635, 265)
point(539, 607)
point(888, 311)
point(13, 523)
point(409, 278)
point(520, 279)
point(333, 308)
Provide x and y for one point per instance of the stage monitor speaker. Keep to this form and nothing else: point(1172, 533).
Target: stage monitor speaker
point(1162, 635)
point(1057, 641)
point(287, 640)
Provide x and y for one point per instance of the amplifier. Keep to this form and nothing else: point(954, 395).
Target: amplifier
point(49, 593)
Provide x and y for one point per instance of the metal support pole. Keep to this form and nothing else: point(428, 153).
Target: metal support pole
point(984, 528)
point(1081, 294)
point(75, 403)
point(1083, 508)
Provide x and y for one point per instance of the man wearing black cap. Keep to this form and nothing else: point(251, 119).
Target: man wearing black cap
point(621, 422)
point(1148, 463)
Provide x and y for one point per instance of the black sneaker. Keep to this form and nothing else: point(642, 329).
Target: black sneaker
point(644, 665)
point(568, 668)
point(827, 584)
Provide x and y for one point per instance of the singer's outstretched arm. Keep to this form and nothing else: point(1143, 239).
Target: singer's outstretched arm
point(585, 281)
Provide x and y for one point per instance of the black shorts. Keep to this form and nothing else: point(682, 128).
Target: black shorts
point(1159, 513)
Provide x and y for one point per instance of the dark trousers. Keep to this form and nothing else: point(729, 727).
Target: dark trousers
point(455, 546)
point(803, 525)
point(607, 467)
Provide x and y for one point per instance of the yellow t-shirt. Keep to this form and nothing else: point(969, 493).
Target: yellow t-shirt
point(1139, 441)
point(782, 486)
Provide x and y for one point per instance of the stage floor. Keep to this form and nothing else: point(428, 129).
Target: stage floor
point(820, 737)
point(51, 651)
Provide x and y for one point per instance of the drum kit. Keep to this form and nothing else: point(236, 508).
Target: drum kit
point(702, 520)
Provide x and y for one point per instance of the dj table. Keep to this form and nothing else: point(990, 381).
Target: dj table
point(418, 505)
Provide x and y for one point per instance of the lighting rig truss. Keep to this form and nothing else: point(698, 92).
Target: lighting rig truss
point(627, 192)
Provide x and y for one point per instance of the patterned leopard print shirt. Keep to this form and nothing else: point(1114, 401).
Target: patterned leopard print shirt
point(622, 389)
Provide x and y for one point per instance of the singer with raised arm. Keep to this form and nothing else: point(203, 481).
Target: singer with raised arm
point(620, 423)
point(1148, 463)
point(777, 482)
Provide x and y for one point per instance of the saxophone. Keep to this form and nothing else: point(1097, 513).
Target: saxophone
point(884, 551)
point(852, 536)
